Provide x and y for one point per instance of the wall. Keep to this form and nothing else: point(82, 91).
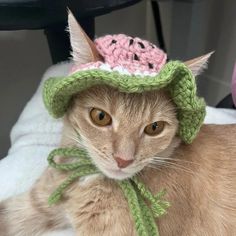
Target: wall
point(193, 28)
point(24, 58)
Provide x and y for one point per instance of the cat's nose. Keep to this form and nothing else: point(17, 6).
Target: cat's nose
point(122, 163)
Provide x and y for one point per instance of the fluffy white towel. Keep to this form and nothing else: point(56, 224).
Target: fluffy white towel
point(35, 134)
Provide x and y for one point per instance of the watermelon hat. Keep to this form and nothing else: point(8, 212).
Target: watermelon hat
point(131, 65)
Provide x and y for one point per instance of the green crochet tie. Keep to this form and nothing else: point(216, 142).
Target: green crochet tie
point(135, 192)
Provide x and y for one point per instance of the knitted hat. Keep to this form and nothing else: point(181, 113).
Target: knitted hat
point(131, 65)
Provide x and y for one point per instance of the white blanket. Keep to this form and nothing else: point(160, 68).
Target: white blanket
point(35, 134)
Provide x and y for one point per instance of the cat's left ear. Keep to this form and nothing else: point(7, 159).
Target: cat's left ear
point(83, 48)
point(197, 65)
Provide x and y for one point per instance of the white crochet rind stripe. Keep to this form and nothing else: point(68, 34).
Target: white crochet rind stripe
point(120, 69)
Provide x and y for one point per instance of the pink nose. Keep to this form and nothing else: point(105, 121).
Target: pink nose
point(122, 163)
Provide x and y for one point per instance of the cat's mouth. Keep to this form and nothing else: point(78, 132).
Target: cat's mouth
point(116, 174)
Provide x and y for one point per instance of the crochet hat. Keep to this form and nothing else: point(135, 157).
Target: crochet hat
point(131, 65)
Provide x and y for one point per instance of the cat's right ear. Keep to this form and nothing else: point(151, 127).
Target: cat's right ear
point(197, 65)
point(83, 48)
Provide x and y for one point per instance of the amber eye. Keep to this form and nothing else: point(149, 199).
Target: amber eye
point(154, 128)
point(100, 117)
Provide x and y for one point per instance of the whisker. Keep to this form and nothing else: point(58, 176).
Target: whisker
point(171, 161)
point(173, 166)
point(73, 138)
point(174, 159)
point(105, 161)
point(154, 167)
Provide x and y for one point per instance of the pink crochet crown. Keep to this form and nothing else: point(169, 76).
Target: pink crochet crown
point(131, 55)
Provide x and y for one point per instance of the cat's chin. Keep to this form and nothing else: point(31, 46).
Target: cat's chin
point(116, 174)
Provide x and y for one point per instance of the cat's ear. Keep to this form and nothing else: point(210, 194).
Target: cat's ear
point(197, 65)
point(83, 48)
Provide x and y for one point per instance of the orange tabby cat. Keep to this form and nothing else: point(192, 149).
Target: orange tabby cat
point(199, 178)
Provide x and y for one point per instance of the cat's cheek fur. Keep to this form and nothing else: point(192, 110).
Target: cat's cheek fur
point(159, 146)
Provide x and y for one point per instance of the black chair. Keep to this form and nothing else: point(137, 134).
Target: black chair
point(51, 15)
point(226, 102)
point(158, 24)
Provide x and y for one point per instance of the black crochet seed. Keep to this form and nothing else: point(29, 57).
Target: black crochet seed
point(136, 57)
point(131, 41)
point(141, 44)
point(150, 65)
point(113, 41)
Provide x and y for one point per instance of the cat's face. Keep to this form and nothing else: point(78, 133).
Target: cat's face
point(122, 132)
point(118, 129)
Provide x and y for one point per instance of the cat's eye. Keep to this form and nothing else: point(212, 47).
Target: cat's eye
point(155, 128)
point(100, 117)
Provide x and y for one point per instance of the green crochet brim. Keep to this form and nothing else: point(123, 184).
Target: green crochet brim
point(174, 77)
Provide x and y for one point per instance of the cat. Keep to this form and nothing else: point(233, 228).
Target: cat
point(128, 134)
